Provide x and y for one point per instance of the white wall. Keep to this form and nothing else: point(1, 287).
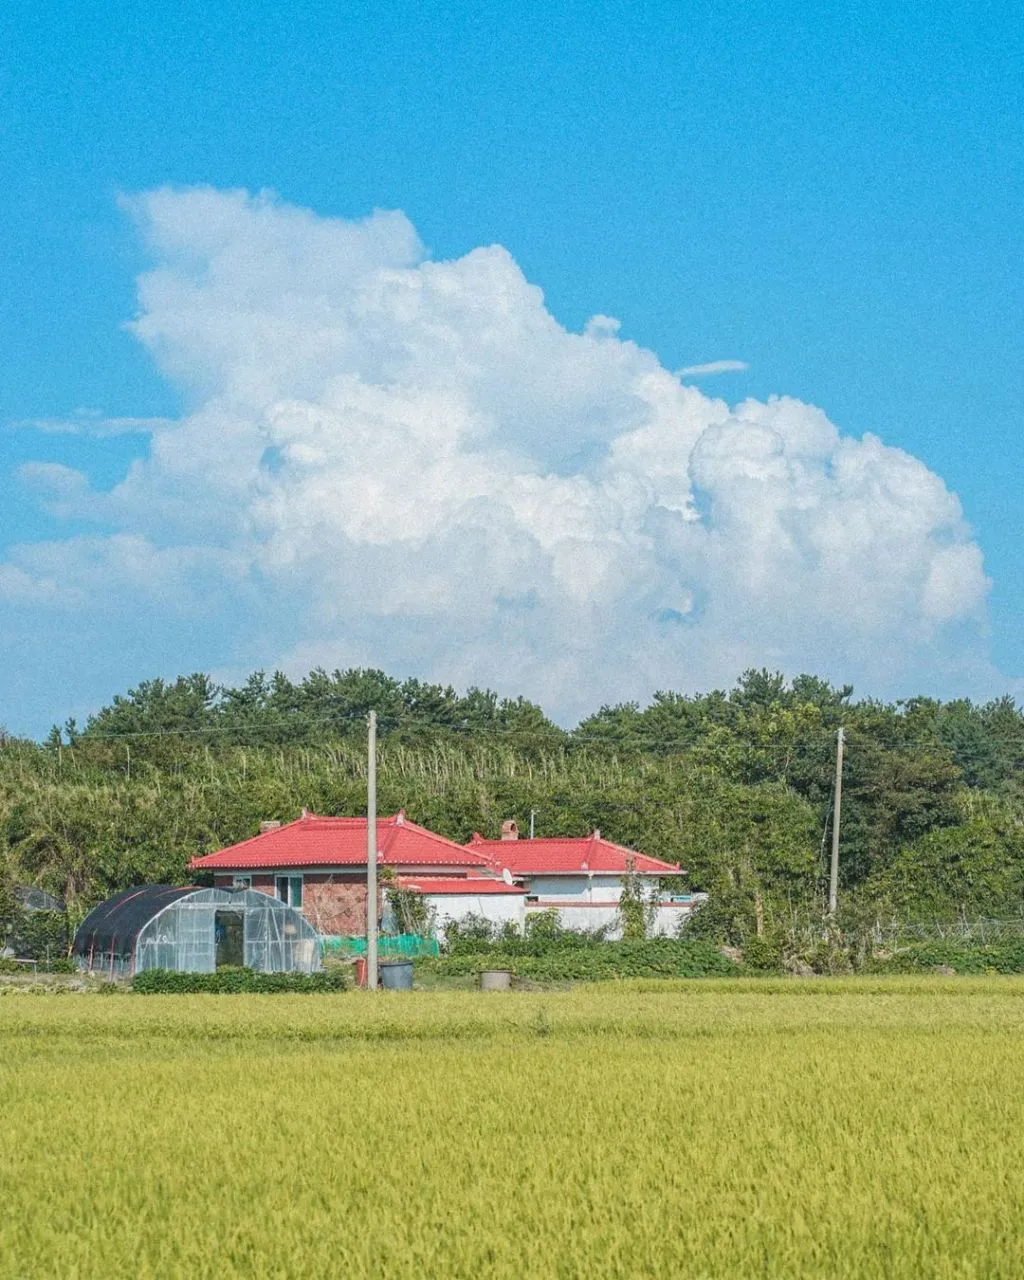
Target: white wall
point(579, 915)
point(581, 888)
point(499, 908)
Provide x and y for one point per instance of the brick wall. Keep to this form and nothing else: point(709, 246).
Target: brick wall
point(334, 904)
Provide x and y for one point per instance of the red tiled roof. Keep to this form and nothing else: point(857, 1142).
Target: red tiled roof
point(563, 855)
point(468, 885)
point(312, 841)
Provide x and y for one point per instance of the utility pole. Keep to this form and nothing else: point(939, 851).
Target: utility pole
point(532, 812)
point(371, 854)
point(833, 878)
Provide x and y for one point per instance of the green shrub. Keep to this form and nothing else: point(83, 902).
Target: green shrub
point(762, 954)
point(637, 906)
point(239, 982)
point(35, 935)
point(474, 935)
point(996, 957)
point(655, 957)
point(409, 908)
point(470, 934)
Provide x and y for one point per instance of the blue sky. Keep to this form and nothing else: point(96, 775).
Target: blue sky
point(830, 195)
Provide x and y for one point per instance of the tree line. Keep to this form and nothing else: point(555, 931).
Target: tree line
point(736, 785)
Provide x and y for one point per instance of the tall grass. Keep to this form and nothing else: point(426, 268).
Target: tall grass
point(857, 1128)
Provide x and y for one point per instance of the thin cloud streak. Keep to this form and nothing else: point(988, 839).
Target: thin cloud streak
point(92, 424)
point(711, 368)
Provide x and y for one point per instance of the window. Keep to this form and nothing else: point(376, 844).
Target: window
point(241, 882)
point(289, 889)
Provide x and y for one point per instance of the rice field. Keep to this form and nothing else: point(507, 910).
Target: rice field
point(709, 1129)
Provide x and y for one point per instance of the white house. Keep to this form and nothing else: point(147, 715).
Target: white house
point(457, 897)
point(582, 879)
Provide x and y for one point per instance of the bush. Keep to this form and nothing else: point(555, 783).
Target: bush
point(61, 965)
point(589, 962)
point(409, 908)
point(762, 954)
point(997, 957)
point(239, 982)
point(470, 934)
point(35, 935)
point(543, 930)
point(475, 936)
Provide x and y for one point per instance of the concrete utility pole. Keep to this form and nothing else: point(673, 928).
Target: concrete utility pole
point(532, 812)
point(833, 878)
point(371, 854)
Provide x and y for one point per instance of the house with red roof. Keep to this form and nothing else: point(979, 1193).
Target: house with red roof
point(318, 865)
point(582, 878)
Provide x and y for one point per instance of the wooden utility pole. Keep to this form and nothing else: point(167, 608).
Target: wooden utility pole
point(371, 854)
point(833, 878)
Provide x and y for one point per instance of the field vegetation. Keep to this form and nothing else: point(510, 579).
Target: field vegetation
point(856, 1128)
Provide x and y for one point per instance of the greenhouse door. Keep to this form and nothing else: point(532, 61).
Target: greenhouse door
point(230, 932)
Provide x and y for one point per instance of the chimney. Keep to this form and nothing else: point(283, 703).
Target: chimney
point(272, 825)
point(597, 834)
point(509, 830)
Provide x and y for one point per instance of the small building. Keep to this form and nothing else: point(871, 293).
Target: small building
point(582, 879)
point(318, 866)
point(31, 898)
point(190, 930)
point(457, 897)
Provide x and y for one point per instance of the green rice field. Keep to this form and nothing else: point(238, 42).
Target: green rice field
point(869, 1128)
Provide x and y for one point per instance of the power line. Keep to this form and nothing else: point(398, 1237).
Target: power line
point(528, 736)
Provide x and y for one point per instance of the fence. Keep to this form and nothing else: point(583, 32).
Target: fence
point(401, 944)
point(894, 932)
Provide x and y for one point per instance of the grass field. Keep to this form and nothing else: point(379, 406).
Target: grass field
point(778, 1128)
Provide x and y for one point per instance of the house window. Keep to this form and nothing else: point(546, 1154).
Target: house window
point(289, 889)
point(241, 882)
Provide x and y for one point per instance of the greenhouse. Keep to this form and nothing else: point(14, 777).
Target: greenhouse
point(158, 926)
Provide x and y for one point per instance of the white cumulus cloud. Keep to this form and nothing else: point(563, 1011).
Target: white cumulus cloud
point(410, 462)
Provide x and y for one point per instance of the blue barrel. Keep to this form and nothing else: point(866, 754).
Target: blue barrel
point(396, 975)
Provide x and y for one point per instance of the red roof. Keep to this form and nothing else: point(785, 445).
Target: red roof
point(311, 841)
point(564, 855)
point(469, 885)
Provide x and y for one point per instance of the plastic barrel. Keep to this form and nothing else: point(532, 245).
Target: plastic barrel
point(495, 979)
point(396, 975)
